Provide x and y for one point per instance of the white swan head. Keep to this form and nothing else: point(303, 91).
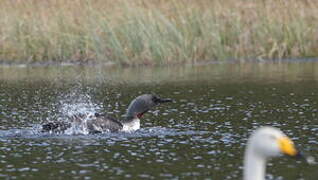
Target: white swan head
point(264, 143)
point(270, 142)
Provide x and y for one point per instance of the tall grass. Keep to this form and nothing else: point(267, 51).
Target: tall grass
point(156, 31)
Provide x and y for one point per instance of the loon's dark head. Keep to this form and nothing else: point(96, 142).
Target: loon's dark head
point(144, 103)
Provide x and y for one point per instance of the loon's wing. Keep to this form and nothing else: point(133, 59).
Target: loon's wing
point(56, 127)
point(61, 126)
point(104, 124)
point(95, 124)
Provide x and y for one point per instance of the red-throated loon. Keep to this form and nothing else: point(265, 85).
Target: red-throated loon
point(103, 123)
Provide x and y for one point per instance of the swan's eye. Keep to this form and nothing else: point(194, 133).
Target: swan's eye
point(272, 137)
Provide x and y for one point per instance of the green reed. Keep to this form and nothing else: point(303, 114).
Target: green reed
point(156, 32)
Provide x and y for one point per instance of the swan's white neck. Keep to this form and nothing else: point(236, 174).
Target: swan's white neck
point(132, 125)
point(254, 165)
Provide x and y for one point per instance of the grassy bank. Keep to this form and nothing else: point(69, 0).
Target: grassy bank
point(156, 31)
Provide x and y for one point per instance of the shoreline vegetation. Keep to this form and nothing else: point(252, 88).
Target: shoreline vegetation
point(156, 32)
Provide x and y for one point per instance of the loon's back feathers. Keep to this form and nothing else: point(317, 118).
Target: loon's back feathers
point(96, 123)
point(55, 127)
point(103, 124)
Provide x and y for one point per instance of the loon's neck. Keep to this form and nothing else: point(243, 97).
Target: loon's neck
point(131, 124)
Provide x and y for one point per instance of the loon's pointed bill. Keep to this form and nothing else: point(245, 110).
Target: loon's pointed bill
point(161, 100)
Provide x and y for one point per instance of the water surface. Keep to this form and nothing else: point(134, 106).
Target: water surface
point(201, 135)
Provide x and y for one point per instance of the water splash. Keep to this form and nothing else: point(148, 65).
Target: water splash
point(77, 108)
point(77, 102)
point(311, 160)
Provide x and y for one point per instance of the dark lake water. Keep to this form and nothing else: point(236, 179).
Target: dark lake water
point(201, 135)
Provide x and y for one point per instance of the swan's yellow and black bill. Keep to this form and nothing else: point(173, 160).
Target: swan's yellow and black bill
point(287, 147)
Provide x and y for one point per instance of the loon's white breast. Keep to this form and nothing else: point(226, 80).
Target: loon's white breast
point(131, 126)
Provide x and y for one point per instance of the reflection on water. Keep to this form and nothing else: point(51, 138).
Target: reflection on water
point(202, 134)
point(294, 71)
